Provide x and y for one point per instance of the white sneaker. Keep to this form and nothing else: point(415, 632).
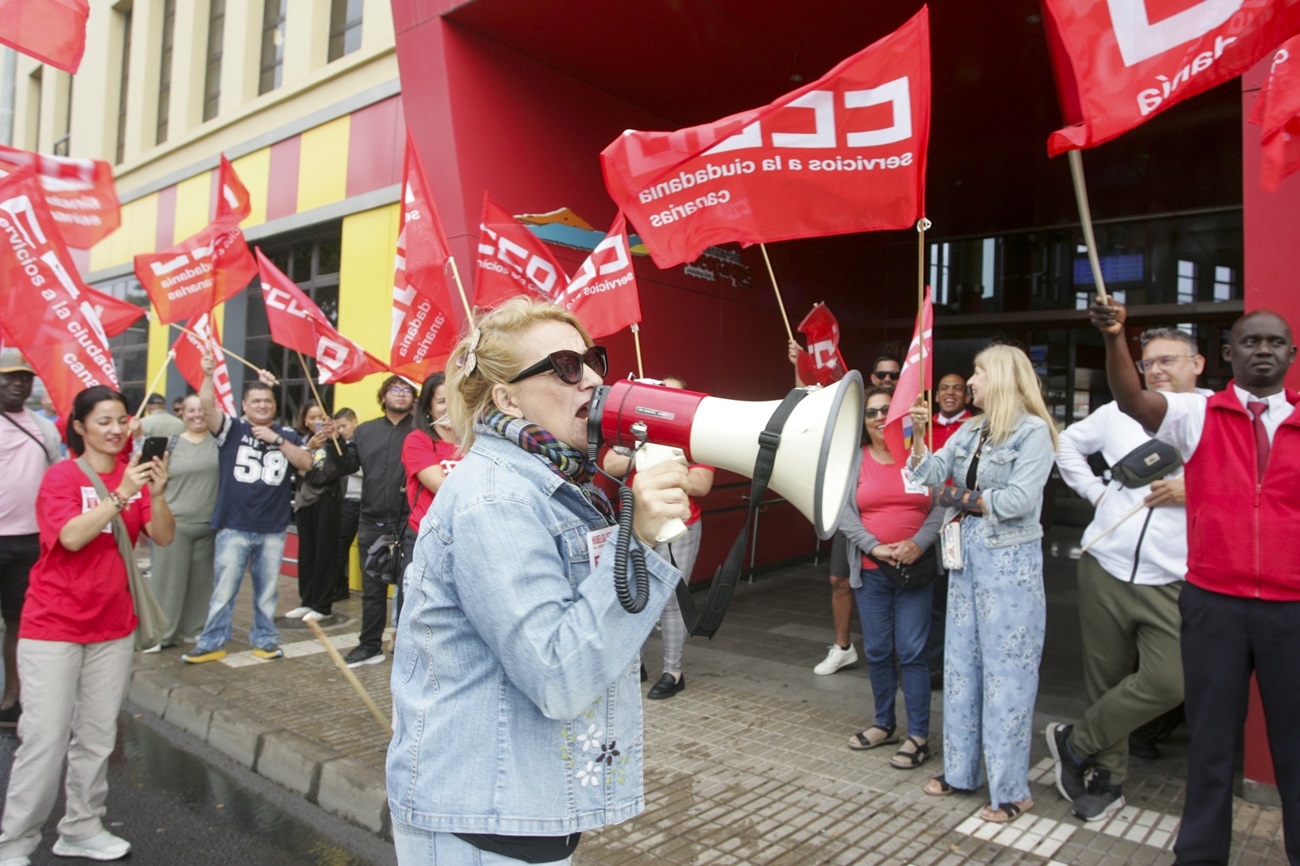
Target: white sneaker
point(298, 612)
point(16, 861)
point(102, 846)
point(313, 616)
point(156, 648)
point(835, 659)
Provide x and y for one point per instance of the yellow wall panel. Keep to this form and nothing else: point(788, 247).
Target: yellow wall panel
point(254, 172)
point(323, 164)
point(135, 235)
point(365, 297)
point(193, 205)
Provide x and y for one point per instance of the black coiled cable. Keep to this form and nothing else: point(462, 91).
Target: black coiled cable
point(622, 551)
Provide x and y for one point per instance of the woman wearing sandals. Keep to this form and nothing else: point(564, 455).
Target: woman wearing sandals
point(891, 529)
point(998, 463)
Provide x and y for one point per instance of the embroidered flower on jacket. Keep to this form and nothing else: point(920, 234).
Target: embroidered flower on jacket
point(591, 774)
point(591, 739)
point(608, 753)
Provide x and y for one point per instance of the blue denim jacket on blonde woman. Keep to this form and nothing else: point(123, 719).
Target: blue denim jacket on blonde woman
point(516, 675)
point(1011, 476)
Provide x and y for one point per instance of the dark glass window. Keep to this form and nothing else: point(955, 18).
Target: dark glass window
point(345, 27)
point(212, 77)
point(273, 14)
point(165, 69)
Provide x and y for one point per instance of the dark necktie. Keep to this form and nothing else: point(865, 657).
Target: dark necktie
point(1257, 409)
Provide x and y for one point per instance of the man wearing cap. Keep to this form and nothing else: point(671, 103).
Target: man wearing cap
point(157, 421)
point(28, 445)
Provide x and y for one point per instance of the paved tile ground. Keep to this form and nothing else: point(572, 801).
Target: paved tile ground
point(748, 765)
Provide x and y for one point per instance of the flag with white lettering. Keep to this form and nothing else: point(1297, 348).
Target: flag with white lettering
point(114, 315)
point(200, 272)
point(78, 192)
point(1277, 110)
point(1121, 62)
point(898, 423)
point(44, 308)
point(512, 261)
point(423, 332)
point(189, 348)
point(822, 363)
point(233, 205)
point(289, 311)
point(603, 293)
point(339, 359)
point(845, 153)
point(52, 31)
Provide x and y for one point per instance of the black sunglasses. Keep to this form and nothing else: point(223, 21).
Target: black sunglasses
point(568, 365)
point(874, 411)
point(886, 374)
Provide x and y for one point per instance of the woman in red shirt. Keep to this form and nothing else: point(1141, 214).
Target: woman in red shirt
point(75, 638)
point(891, 529)
point(428, 453)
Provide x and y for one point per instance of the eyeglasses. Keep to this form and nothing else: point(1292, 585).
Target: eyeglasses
point(567, 365)
point(886, 374)
point(875, 411)
point(1164, 362)
point(401, 389)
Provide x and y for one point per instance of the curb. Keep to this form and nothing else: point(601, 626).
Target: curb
point(338, 784)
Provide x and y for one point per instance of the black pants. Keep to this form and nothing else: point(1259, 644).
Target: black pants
point(349, 520)
point(1224, 639)
point(18, 553)
point(318, 554)
point(938, 622)
point(374, 592)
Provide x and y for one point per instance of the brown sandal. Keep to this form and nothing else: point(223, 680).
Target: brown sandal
point(1008, 812)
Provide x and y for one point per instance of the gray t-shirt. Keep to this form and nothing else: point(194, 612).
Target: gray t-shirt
point(192, 480)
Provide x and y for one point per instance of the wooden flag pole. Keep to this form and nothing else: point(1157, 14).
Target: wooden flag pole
point(349, 676)
point(464, 299)
point(319, 401)
point(171, 354)
point(1085, 219)
point(636, 338)
point(921, 226)
point(229, 354)
point(780, 304)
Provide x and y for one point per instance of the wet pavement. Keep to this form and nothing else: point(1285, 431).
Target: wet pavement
point(748, 765)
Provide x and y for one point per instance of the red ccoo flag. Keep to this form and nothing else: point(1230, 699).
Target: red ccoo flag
point(423, 331)
point(189, 348)
point(512, 261)
point(857, 162)
point(338, 359)
point(233, 205)
point(289, 311)
point(78, 192)
point(898, 423)
point(52, 31)
point(822, 363)
point(44, 308)
point(603, 294)
point(1121, 62)
point(115, 316)
point(198, 273)
point(1278, 110)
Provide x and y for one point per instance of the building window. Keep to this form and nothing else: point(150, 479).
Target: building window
point(35, 83)
point(345, 27)
point(312, 263)
point(212, 78)
point(120, 152)
point(131, 347)
point(1186, 281)
point(165, 69)
point(272, 45)
point(1223, 283)
point(63, 134)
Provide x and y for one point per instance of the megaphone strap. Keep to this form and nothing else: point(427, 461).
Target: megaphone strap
point(728, 575)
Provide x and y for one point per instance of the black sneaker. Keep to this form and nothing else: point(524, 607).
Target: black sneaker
point(666, 687)
point(362, 655)
point(1071, 770)
point(9, 715)
point(1102, 800)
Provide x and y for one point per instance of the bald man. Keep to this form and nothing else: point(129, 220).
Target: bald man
point(1241, 604)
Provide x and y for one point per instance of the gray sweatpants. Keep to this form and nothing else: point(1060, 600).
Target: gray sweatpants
point(673, 628)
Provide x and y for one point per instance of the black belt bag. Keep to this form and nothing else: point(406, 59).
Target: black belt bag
point(913, 576)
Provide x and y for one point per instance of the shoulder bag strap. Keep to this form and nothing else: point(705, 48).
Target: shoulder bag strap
point(29, 435)
point(120, 533)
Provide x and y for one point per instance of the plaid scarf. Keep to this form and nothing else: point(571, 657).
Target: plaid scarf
point(567, 462)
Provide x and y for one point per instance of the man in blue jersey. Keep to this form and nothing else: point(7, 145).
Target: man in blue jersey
point(252, 513)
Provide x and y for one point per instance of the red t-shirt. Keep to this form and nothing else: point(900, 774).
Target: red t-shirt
point(80, 596)
point(419, 452)
point(888, 510)
point(943, 432)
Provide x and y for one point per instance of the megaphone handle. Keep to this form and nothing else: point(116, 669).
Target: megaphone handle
point(670, 531)
point(650, 454)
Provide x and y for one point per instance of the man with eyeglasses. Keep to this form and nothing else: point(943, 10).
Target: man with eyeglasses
point(383, 505)
point(1129, 583)
point(1241, 604)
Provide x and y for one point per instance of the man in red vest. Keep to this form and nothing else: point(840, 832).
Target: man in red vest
point(1241, 604)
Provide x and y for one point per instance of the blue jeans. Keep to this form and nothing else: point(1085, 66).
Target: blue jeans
point(261, 553)
point(896, 620)
point(415, 848)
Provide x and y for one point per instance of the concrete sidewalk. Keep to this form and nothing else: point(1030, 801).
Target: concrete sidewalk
point(748, 765)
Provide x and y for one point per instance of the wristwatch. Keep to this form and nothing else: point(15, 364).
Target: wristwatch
point(279, 440)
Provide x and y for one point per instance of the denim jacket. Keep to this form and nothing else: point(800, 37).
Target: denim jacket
point(516, 675)
point(1011, 476)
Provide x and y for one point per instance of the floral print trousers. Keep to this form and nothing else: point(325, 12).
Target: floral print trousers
point(993, 644)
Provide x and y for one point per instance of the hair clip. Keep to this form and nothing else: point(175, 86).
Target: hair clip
point(469, 360)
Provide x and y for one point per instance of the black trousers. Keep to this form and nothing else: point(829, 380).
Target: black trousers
point(349, 520)
point(1224, 640)
point(318, 554)
point(374, 592)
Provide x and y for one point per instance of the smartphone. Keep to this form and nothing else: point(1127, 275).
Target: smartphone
point(154, 446)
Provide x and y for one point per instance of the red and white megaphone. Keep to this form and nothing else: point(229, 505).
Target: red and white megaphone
point(818, 441)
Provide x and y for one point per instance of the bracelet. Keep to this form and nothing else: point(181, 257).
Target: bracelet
point(118, 502)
